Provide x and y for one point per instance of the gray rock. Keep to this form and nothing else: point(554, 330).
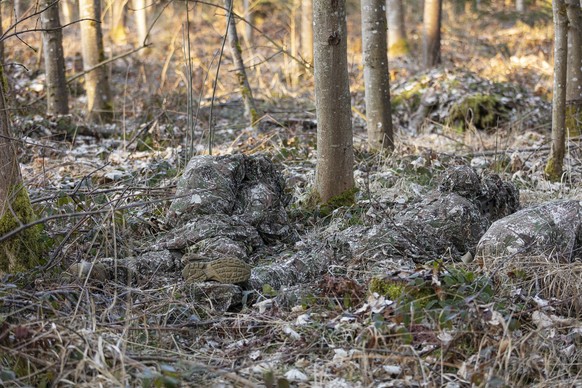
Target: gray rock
point(551, 229)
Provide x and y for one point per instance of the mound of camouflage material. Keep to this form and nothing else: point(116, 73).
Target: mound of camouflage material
point(448, 222)
point(537, 251)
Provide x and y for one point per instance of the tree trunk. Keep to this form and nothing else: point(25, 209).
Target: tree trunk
point(555, 163)
point(335, 155)
point(574, 69)
point(431, 35)
point(1, 41)
point(248, 30)
point(68, 11)
point(520, 6)
point(307, 30)
point(99, 105)
point(20, 8)
point(245, 89)
point(376, 76)
point(140, 8)
point(54, 60)
point(117, 31)
point(397, 42)
point(23, 251)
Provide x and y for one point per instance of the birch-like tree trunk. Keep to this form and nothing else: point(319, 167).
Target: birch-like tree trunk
point(520, 6)
point(431, 34)
point(99, 105)
point(555, 164)
point(140, 8)
point(24, 250)
point(117, 11)
point(376, 76)
point(248, 29)
point(335, 155)
point(20, 8)
point(307, 30)
point(54, 59)
point(245, 89)
point(68, 9)
point(574, 69)
point(397, 42)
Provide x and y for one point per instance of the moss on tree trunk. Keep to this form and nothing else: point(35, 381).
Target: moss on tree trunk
point(23, 251)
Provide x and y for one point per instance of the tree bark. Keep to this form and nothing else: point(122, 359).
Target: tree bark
point(68, 8)
point(248, 30)
point(376, 76)
point(20, 8)
point(431, 36)
point(140, 9)
point(555, 164)
point(99, 105)
point(397, 42)
point(1, 41)
point(335, 158)
point(520, 6)
point(574, 69)
point(23, 251)
point(117, 31)
point(54, 60)
point(307, 30)
point(245, 89)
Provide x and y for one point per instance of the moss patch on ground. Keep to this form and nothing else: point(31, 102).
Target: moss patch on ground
point(479, 111)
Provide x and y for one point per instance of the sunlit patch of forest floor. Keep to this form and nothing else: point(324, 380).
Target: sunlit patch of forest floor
point(105, 190)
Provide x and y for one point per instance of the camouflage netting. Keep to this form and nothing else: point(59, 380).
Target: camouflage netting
point(233, 207)
point(447, 222)
point(537, 250)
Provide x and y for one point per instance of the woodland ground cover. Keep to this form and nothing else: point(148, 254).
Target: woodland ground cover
point(105, 191)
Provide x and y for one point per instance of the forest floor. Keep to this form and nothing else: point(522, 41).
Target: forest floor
point(104, 191)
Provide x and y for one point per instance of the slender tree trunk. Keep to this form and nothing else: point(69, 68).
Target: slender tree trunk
point(68, 11)
point(520, 6)
point(376, 76)
point(1, 41)
point(99, 105)
point(54, 60)
point(397, 42)
point(20, 8)
point(248, 30)
point(245, 89)
point(117, 31)
point(574, 69)
point(555, 163)
point(307, 30)
point(431, 36)
point(23, 251)
point(140, 8)
point(335, 157)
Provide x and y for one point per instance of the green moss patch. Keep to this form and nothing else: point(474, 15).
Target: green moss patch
point(479, 111)
point(23, 251)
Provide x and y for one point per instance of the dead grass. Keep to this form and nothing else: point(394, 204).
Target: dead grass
point(88, 334)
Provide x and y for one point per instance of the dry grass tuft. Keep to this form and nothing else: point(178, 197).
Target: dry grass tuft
point(542, 276)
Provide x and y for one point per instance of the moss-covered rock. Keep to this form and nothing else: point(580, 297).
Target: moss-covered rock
point(479, 111)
